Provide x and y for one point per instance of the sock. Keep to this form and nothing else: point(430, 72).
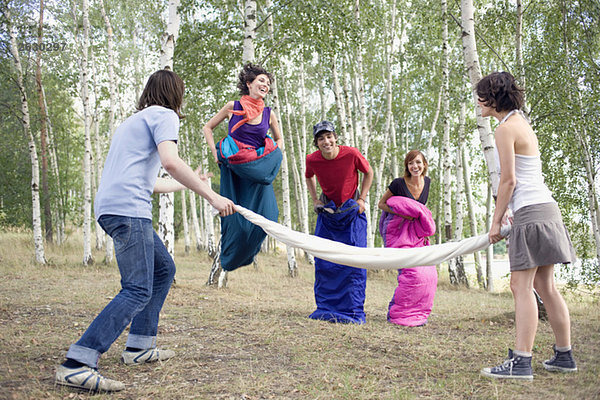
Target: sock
point(521, 353)
point(133, 349)
point(70, 363)
point(562, 349)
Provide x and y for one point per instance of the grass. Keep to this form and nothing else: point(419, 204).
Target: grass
point(253, 340)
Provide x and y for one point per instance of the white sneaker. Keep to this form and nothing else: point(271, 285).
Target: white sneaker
point(146, 356)
point(86, 378)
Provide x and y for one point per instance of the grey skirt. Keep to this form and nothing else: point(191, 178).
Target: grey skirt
point(539, 237)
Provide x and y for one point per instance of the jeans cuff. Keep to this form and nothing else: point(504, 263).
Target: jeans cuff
point(84, 355)
point(141, 341)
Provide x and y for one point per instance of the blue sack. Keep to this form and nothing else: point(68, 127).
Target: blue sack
point(249, 184)
point(339, 289)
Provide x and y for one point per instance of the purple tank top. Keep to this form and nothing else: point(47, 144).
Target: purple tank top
point(253, 135)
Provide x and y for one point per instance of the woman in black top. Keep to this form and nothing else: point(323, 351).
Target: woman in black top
point(414, 184)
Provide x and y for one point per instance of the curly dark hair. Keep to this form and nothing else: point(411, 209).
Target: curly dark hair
point(500, 91)
point(164, 88)
point(249, 74)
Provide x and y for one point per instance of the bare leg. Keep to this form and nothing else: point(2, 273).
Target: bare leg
point(526, 313)
point(558, 313)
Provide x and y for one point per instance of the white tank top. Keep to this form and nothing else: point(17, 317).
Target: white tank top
point(530, 188)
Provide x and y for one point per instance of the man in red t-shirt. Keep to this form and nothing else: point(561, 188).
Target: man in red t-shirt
point(339, 289)
point(336, 168)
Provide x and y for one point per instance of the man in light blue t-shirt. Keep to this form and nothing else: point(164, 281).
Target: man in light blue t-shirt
point(123, 208)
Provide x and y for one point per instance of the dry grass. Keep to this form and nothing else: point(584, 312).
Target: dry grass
point(253, 340)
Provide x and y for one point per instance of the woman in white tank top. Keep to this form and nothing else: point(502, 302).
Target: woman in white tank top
point(538, 239)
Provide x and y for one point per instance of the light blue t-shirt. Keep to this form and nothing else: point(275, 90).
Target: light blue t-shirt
point(132, 164)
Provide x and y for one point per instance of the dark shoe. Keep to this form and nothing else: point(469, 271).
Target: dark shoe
point(86, 378)
point(515, 367)
point(562, 361)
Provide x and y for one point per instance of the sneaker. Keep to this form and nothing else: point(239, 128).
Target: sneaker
point(86, 378)
point(562, 361)
point(514, 367)
point(146, 356)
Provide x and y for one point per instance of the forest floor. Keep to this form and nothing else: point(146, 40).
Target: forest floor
point(253, 340)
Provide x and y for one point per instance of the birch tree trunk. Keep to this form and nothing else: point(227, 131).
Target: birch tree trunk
point(389, 121)
point(166, 207)
point(87, 158)
point(285, 182)
point(97, 153)
point(291, 149)
point(469, 196)
point(490, 250)
point(302, 153)
point(112, 85)
point(249, 31)
point(38, 240)
point(472, 64)
point(350, 115)
point(43, 129)
point(60, 209)
point(458, 205)
point(339, 99)
point(447, 167)
point(362, 130)
point(519, 45)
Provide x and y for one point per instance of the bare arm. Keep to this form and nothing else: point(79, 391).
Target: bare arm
point(183, 173)
point(311, 184)
point(364, 188)
point(505, 143)
point(276, 131)
point(212, 124)
point(383, 202)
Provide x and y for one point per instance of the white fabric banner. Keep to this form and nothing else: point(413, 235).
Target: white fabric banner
point(368, 258)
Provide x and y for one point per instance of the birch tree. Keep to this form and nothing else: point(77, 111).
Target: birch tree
point(285, 183)
point(38, 240)
point(43, 127)
point(87, 158)
point(474, 71)
point(166, 229)
point(112, 84)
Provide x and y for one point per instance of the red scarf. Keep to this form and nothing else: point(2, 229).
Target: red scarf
point(251, 108)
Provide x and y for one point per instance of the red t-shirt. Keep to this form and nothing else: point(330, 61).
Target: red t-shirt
point(338, 177)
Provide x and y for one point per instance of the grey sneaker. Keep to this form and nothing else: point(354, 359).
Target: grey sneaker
point(514, 367)
point(146, 356)
point(86, 378)
point(562, 361)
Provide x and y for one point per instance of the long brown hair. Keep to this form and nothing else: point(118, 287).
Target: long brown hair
point(164, 88)
point(411, 156)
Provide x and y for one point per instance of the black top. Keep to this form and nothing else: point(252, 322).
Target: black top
point(398, 188)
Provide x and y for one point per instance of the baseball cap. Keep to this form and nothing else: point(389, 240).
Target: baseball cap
point(323, 126)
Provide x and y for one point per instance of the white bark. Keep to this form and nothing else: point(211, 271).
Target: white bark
point(389, 121)
point(350, 116)
point(363, 131)
point(195, 222)
point(38, 239)
point(60, 220)
point(302, 152)
point(112, 84)
point(446, 162)
point(166, 207)
point(432, 131)
point(339, 99)
point(490, 250)
point(249, 31)
point(285, 180)
point(468, 194)
point(87, 157)
point(472, 64)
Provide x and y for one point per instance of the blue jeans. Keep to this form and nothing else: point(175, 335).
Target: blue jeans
point(147, 271)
